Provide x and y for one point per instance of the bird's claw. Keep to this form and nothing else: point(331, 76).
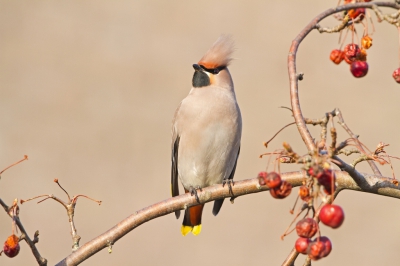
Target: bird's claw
point(193, 192)
point(230, 184)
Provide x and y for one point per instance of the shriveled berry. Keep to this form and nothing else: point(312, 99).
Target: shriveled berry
point(366, 42)
point(351, 52)
point(301, 245)
point(332, 215)
point(396, 75)
point(282, 191)
point(307, 227)
point(336, 56)
point(304, 193)
point(11, 246)
point(359, 69)
point(362, 56)
point(262, 178)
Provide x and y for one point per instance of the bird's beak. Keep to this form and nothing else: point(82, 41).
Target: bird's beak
point(197, 67)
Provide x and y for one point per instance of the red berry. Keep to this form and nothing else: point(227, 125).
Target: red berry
point(316, 250)
point(325, 179)
point(396, 75)
point(332, 215)
point(315, 171)
point(319, 248)
point(351, 52)
point(273, 180)
point(359, 69)
point(282, 191)
point(328, 245)
point(301, 245)
point(354, 13)
point(336, 56)
point(307, 227)
point(11, 246)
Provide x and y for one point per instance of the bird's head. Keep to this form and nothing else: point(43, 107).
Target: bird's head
point(212, 67)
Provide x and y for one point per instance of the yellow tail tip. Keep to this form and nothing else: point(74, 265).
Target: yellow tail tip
point(186, 229)
point(196, 230)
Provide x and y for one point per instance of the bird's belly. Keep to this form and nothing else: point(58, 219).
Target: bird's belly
point(209, 157)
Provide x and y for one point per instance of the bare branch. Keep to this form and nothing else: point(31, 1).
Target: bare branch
point(291, 258)
point(348, 152)
point(338, 28)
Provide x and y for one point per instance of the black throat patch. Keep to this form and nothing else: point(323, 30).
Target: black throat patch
point(200, 79)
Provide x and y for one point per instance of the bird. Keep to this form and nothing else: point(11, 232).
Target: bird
point(206, 132)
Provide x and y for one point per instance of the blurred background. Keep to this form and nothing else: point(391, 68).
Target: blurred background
point(88, 91)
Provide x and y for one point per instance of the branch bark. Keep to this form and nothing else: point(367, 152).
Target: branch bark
point(366, 183)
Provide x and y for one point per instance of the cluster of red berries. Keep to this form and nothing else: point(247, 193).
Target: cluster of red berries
point(352, 54)
point(11, 246)
point(355, 56)
point(330, 215)
point(279, 188)
point(316, 249)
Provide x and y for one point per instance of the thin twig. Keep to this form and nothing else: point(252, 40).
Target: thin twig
point(357, 142)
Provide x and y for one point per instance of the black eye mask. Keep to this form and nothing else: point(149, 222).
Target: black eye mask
point(214, 71)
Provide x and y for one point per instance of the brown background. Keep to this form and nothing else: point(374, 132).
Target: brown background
point(88, 91)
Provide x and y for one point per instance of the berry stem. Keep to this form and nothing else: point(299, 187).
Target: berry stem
point(25, 158)
point(267, 142)
point(344, 39)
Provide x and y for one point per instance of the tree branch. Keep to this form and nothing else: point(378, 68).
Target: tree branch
point(293, 77)
point(366, 183)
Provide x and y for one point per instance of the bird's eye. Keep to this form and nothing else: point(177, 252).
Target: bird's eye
point(216, 71)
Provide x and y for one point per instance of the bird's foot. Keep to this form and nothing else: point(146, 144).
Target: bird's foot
point(193, 192)
point(230, 184)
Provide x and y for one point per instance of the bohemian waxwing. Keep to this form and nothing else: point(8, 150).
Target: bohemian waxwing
point(206, 132)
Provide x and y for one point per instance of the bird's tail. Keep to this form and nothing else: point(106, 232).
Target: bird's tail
point(192, 220)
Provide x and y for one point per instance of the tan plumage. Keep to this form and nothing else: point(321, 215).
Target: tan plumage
point(206, 131)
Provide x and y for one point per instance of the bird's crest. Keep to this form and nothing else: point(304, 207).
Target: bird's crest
point(219, 54)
